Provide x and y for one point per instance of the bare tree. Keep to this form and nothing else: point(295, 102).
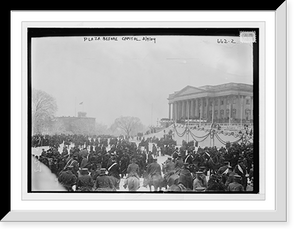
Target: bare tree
point(129, 125)
point(43, 110)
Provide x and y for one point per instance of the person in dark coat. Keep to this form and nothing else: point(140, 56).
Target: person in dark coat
point(68, 179)
point(150, 157)
point(236, 186)
point(133, 169)
point(175, 154)
point(114, 171)
point(84, 181)
point(169, 166)
point(179, 163)
point(189, 158)
point(84, 162)
point(185, 177)
point(154, 168)
point(103, 182)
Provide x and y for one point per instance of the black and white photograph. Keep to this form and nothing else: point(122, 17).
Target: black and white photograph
point(143, 110)
point(161, 116)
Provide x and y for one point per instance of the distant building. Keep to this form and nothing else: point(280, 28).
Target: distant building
point(230, 102)
point(75, 125)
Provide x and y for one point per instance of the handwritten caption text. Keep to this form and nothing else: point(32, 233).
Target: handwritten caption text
point(117, 39)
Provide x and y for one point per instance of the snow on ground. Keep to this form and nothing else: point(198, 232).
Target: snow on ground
point(160, 159)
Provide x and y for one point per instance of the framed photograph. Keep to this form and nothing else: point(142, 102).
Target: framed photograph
point(143, 120)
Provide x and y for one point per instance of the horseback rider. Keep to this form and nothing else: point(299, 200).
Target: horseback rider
point(133, 169)
point(103, 182)
point(154, 168)
point(185, 177)
point(189, 158)
point(175, 154)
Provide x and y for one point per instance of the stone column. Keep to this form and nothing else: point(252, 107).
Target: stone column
point(169, 111)
point(183, 109)
point(187, 108)
point(174, 112)
point(207, 108)
point(225, 108)
point(212, 109)
point(202, 107)
point(192, 109)
point(242, 109)
point(197, 108)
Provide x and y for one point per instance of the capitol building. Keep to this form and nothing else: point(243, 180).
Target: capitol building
point(226, 103)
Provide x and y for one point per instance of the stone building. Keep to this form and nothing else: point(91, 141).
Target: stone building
point(225, 103)
point(75, 125)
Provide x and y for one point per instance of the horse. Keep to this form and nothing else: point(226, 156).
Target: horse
point(171, 179)
point(155, 180)
point(132, 182)
point(173, 185)
point(115, 182)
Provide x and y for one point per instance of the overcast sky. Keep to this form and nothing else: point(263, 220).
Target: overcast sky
point(133, 78)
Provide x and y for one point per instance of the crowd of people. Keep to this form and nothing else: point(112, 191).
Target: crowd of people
point(99, 163)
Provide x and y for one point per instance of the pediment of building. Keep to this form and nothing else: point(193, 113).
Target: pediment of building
point(187, 91)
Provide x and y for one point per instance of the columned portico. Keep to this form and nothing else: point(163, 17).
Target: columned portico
point(226, 103)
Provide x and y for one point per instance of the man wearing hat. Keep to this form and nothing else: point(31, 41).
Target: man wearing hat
point(185, 177)
point(84, 181)
point(67, 178)
point(200, 182)
point(154, 168)
point(169, 166)
point(176, 154)
point(133, 169)
point(103, 182)
point(189, 158)
point(179, 163)
point(236, 186)
point(114, 169)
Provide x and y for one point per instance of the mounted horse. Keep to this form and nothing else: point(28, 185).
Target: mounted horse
point(133, 183)
point(155, 180)
point(153, 176)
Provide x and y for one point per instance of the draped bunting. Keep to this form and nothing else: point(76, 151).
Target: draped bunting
point(210, 132)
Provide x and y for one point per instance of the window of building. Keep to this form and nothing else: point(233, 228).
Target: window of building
point(222, 102)
point(247, 101)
